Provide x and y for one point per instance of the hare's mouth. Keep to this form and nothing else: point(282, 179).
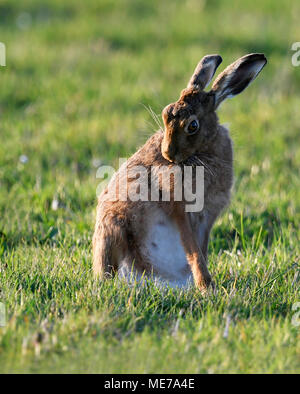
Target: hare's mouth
point(193, 160)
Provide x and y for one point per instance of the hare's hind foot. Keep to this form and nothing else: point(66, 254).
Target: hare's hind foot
point(108, 242)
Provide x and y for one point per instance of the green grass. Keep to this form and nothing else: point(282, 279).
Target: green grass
point(72, 94)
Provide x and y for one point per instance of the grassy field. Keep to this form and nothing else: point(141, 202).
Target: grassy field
point(73, 93)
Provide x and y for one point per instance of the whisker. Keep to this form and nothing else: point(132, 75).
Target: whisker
point(153, 115)
point(194, 160)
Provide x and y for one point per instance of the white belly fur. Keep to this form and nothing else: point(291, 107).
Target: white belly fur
point(163, 247)
point(165, 251)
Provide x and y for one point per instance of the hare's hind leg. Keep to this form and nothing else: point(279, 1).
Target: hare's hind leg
point(105, 250)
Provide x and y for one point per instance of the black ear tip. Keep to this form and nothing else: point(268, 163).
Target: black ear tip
point(219, 60)
point(216, 58)
point(263, 57)
point(256, 57)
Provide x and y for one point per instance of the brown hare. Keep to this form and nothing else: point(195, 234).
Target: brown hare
point(158, 237)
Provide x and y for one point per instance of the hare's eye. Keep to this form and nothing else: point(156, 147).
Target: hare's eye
point(193, 127)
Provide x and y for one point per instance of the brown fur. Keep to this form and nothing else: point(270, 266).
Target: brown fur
point(121, 226)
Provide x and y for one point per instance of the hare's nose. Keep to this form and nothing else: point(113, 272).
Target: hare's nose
point(169, 154)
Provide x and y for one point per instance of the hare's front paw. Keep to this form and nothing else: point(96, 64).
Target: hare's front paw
point(206, 287)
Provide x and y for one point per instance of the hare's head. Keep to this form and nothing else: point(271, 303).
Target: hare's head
point(191, 122)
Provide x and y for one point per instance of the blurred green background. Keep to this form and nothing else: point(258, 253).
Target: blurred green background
point(78, 77)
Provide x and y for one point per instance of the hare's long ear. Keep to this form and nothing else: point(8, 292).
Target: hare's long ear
point(236, 77)
point(204, 71)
